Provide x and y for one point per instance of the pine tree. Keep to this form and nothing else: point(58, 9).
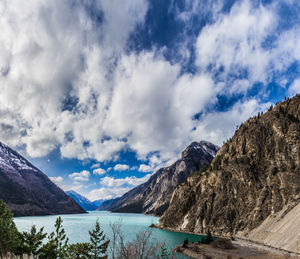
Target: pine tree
point(32, 241)
point(57, 246)
point(98, 243)
point(9, 235)
point(80, 251)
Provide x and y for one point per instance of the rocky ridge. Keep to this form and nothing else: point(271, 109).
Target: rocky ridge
point(27, 191)
point(153, 197)
point(254, 175)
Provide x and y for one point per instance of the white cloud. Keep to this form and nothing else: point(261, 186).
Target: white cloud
point(95, 165)
point(106, 193)
point(294, 88)
point(53, 54)
point(130, 180)
point(57, 180)
point(121, 167)
point(234, 42)
point(82, 176)
point(99, 171)
point(145, 168)
point(218, 126)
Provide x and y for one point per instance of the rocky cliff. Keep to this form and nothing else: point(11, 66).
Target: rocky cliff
point(27, 191)
point(256, 174)
point(153, 197)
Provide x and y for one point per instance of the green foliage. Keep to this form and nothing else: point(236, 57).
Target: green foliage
point(98, 243)
point(31, 242)
point(49, 250)
point(80, 251)
point(57, 245)
point(9, 235)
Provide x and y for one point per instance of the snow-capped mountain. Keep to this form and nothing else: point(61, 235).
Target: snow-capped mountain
point(28, 191)
point(153, 197)
point(84, 202)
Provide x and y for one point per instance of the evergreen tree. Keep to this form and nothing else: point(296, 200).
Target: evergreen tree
point(9, 235)
point(32, 241)
point(61, 239)
point(57, 246)
point(98, 243)
point(80, 251)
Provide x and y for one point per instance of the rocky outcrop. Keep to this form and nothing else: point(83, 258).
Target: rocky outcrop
point(27, 191)
point(153, 197)
point(82, 201)
point(254, 175)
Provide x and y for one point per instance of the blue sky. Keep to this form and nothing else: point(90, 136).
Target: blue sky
point(100, 94)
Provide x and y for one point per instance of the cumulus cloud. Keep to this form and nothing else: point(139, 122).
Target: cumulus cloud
point(121, 167)
point(99, 171)
point(107, 193)
point(114, 187)
point(82, 176)
point(68, 82)
point(294, 88)
point(129, 180)
point(145, 168)
point(57, 180)
point(217, 126)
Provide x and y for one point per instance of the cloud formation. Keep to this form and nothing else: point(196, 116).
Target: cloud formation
point(82, 176)
point(121, 167)
point(99, 171)
point(68, 81)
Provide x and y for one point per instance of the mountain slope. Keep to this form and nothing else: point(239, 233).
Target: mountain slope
point(27, 191)
point(98, 203)
point(153, 197)
point(84, 203)
point(106, 204)
point(254, 175)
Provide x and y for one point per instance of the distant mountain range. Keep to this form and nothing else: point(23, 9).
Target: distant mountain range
point(252, 187)
point(153, 197)
point(27, 191)
point(84, 202)
point(107, 203)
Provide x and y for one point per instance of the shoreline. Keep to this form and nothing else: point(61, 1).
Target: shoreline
point(240, 241)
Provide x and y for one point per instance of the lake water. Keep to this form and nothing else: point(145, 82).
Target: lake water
point(77, 226)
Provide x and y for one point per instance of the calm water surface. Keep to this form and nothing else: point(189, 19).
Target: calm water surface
point(77, 226)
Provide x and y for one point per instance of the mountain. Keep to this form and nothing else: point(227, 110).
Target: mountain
point(153, 197)
point(106, 204)
point(27, 191)
point(98, 202)
point(84, 203)
point(253, 182)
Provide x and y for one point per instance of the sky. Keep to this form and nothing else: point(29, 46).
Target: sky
point(100, 94)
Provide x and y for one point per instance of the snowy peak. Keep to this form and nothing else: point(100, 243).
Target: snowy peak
point(84, 202)
point(27, 191)
point(12, 161)
point(202, 147)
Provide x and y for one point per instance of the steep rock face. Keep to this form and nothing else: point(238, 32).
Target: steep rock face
point(153, 197)
point(27, 191)
point(82, 201)
point(254, 175)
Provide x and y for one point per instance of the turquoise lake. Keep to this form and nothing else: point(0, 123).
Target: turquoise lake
point(77, 226)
